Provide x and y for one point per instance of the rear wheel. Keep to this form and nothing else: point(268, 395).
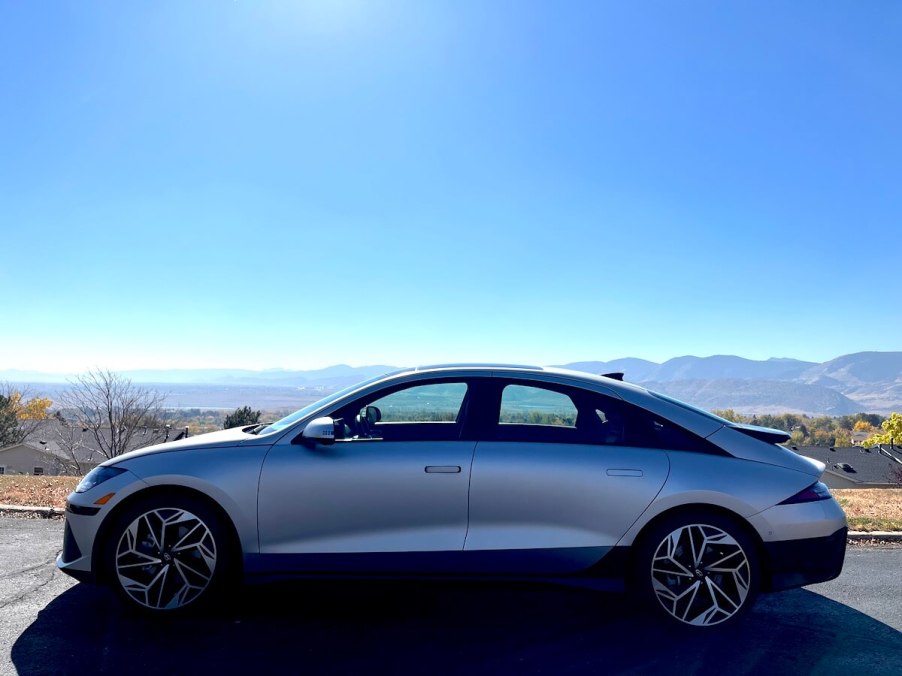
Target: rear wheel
point(166, 554)
point(699, 569)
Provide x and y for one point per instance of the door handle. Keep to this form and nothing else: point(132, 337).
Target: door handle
point(442, 469)
point(624, 472)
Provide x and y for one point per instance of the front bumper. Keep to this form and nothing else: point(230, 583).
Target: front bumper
point(794, 563)
point(72, 560)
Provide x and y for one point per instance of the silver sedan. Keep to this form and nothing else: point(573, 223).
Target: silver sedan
point(467, 470)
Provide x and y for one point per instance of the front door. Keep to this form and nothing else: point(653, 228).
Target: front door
point(395, 481)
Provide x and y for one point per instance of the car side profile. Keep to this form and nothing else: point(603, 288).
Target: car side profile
point(484, 471)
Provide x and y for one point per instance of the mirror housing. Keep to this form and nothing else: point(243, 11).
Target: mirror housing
point(320, 430)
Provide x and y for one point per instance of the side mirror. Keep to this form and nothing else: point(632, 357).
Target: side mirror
point(320, 430)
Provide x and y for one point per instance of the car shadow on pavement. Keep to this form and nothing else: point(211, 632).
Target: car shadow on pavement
point(449, 627)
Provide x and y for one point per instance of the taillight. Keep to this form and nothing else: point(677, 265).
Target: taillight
point(816, 491)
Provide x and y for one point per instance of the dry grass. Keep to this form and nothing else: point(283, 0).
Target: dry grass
point(871, 509)
point(39, 491)
point(867, 509)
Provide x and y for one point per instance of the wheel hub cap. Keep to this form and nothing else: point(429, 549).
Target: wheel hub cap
point(700, 575)
point(166, 558)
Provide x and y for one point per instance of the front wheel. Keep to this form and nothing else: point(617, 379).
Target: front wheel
point(167, 553)
point(701, 570)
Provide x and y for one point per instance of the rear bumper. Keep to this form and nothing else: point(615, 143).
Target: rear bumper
point(795, 563)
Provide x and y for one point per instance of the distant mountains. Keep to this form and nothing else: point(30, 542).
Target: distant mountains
point(864, 381)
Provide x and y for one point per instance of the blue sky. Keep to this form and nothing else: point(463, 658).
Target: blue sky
point(252, 184)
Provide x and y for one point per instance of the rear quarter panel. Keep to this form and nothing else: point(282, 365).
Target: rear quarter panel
point(740, 486)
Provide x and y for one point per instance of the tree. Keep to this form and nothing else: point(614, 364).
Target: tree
point(731, 415)
point(892, 432)
point(863, 426)
point(20, 414)
point(843, 438)
point(9, 423)
point(241, 417)
point(116, 413)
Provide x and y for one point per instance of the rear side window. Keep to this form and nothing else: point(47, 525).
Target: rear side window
point(534, 414)
point(526, 405)
point(627, 425)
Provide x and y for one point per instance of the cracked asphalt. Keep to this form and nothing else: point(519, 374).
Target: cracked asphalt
point(49, 624)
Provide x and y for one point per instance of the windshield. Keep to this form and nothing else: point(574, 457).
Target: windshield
point(280, 425)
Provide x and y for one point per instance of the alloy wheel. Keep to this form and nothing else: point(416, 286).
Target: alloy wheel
point(166, 558)
point(701, 575)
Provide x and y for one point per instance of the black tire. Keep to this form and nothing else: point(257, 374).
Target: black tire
point(185, 550)
point(725, 575)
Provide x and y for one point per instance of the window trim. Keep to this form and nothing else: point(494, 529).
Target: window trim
point(471, 382)
point(581, 396)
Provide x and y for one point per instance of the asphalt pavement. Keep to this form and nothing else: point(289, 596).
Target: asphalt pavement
point(49, 624)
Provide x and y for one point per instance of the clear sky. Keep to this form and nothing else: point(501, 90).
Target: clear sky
point(254, 184)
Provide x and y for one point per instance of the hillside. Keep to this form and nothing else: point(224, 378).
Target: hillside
point(758, 396)
point(864, 381)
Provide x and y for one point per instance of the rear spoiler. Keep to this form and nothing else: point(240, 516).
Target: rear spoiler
point(767, 434)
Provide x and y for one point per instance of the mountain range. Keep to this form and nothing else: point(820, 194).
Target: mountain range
point(864, 381)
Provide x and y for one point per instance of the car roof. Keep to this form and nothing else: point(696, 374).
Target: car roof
point(682, 414)
point(520, 368)
point(478, 365)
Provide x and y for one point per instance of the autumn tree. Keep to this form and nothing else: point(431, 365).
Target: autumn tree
point(20, 414)
point(864, 426)
point(118, 415)
point(892, 432)
point(241, 417)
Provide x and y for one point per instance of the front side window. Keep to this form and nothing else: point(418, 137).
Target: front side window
point(438, 402)
point(423, 412)
point(285, 422)
point(38, 471)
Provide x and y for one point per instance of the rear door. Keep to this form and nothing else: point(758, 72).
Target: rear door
point(553, 473)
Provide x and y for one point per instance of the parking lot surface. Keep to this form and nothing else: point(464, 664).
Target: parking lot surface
point(49, 624)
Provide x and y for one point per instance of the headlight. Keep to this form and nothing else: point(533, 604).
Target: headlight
point(97, 476)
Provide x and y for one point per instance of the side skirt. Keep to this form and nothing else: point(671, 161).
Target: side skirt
point(595, 567)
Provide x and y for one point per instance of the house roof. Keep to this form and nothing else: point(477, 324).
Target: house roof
point(856, 463)
point(56, 438)
point(53, 448)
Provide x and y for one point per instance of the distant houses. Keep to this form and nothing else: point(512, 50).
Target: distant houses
point(856, 466)
point(57, 448)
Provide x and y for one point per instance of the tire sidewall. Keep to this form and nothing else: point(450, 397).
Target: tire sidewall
point(224, 554)
point(641, 583)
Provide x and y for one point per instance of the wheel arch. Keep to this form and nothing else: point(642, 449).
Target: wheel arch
point(104, 532)
point(763, 558)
